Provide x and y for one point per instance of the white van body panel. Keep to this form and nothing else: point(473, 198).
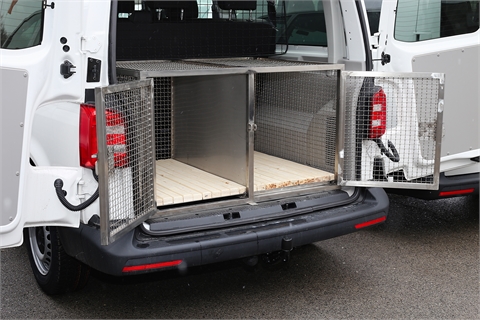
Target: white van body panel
point(460, 163)
point(55, 126)
point(38, 204)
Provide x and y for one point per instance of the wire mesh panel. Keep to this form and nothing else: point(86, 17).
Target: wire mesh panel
point(252, 63)
point(295, 114)
point(392, 129)
point(162, 104)
point(125, 156)
point(163, 117)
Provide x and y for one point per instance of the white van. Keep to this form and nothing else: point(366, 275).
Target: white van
point(142, 136)
point(441, 36)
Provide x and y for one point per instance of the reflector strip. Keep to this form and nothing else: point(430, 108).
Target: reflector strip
point(456, 192)
point(370, 223)
point(152, 266)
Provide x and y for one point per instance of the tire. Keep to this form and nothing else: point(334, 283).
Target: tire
point(55, 271)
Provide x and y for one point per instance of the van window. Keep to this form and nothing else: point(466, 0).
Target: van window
point(21, 23)
point(373, 8)
point(197, 29)
point(305, 23)
point(419, 20)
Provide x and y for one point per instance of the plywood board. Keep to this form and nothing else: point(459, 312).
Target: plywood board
point(177, 182)
point(272, 173)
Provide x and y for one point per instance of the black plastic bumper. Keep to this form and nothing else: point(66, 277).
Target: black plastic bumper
point(200, 248)
point(452, 186)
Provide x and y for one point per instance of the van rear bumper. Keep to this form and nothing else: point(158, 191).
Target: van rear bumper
point(451, 186)
point(193, 249)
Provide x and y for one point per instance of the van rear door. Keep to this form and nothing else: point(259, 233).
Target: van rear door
point(439, 36)
point(45, 51)
point(32, 53)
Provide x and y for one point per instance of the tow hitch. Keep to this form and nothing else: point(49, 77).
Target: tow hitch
point(276, 259)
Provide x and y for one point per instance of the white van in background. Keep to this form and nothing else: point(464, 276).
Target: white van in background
point(441, 36)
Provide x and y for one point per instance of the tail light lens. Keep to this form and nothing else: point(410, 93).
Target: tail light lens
point(378, 115)
point(88, 136)
point(115, 138)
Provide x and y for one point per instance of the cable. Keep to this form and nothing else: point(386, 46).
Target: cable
point(395, 157)
point(58, 184)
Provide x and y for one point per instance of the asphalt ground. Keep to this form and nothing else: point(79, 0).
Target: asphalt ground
point(422, 263)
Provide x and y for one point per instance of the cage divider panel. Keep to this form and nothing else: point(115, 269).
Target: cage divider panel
point(210, 124)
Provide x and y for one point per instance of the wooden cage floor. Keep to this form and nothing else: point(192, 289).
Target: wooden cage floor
point(272, 172)
point(177, 182)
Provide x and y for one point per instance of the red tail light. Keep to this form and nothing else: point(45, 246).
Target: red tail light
point(88, 137)
point(378, 115)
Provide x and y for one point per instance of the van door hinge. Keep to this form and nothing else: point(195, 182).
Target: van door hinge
point(90, 44)
point(66, 69)
point(374, 40)
point(51, 5)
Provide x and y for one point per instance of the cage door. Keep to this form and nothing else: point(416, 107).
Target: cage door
point(126, 157)
point(392, 129)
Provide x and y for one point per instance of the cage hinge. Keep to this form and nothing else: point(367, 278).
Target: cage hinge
point(252, 127)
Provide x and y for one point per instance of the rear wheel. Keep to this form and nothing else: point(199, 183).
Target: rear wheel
point(55, 271)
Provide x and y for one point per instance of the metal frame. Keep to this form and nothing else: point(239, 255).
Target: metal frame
point(107, 236)
point(215, 67)
point(246, 66)
point(251, 135)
